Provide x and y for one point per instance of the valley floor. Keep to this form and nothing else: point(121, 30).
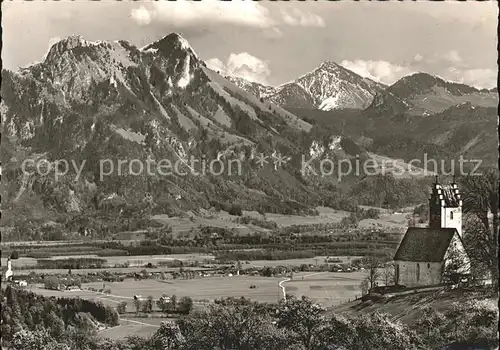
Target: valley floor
point(326, 288)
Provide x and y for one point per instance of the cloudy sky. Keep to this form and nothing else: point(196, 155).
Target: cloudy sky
point(275, 42)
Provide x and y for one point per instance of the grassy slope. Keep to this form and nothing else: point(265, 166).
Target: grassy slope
point(408, 308)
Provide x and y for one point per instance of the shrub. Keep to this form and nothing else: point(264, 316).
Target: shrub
point(235, 210)
point(185, 305)
point(51, 282)
point(122, 307)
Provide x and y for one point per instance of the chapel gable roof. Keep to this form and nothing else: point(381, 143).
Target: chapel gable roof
point(425, 244)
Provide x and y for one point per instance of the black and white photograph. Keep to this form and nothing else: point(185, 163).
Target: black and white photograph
point(247, 175)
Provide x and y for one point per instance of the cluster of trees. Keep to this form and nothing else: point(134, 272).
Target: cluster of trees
point(464, 323)
point(71, 263)
point(165, 304)
point(297, 251)
point(245, 220)
point(59, 319)
point(209, 239)
point(386, 191)
point(352, 221)
point(481, 209)
point(422, 211)
point(225, 256)
point(171, 305)
point(68, 279)
point(55, 282)
point(231, 208)
point(295, 324)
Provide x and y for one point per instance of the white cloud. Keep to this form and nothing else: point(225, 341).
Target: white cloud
point(418, 57)
point(480, 77)
point(453, 56)
point(187, 13)
point(381, 71)
point(242, 65)
point(142, 16)
point(388, 73)
point(216, 64)
point(296, 17)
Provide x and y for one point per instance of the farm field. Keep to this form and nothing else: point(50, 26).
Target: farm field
point(308, 261)
point(326, 288)
point(395, 221)
point(133, 326)
point(223, 219)
point(326, 215)
point(134, 261)
point(154, 259)
point(388, 220)
point(206, 288)
point(179, 224)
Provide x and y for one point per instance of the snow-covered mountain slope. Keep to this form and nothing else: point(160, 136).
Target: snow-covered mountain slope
point(91, 101)
point(330, 86)
point(87, 101)
point(160, 84)
point(256, 89)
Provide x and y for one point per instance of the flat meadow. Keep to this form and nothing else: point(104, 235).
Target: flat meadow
point(325, 288)
point(132, 326)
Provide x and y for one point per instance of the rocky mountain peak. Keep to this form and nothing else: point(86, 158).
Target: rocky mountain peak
point(329, 86)
point(170, 43)
point(68, 44)
point(329, 65)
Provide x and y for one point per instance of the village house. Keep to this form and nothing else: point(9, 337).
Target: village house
point(428, 256)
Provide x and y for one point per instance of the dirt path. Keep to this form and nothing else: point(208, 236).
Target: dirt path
point(283, 288)
point(141, 323)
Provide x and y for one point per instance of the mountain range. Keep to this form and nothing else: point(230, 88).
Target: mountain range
point(419, 113)
point(329, 86)
point(91, 101)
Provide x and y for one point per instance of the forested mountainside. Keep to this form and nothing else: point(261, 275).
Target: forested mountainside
point(86, 102)
point(88, 105)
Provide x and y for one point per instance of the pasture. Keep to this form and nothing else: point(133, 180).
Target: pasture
point(387, 220)
point(326, 215)
point(326, 288)
point(179, 224)
point(297, 262)
point(133, 261)
point(204, 288)
point(223, 219)
point(133, 326)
